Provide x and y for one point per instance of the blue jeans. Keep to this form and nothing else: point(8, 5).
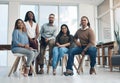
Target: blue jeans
point(58, 52)
point(92, 52)
point(31, 55)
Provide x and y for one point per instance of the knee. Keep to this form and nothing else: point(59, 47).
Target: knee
point(51, 42)
point(72, 51)
point(32, 54)
point(55, 50)
point(92, 49)
point(61, 50)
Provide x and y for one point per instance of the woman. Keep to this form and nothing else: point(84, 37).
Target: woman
point(85, 45)
point(63, 42)
point(20, 44)
point(32, 31)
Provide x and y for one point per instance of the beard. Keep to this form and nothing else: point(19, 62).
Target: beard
point(51, 21)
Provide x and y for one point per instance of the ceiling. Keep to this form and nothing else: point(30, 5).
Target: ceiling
point(93, 2)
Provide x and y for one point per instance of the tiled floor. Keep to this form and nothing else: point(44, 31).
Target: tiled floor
point(103, 76)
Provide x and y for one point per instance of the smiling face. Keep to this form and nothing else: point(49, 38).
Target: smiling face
point(51, 18)
point(30, 15)
point(84, 21)
point(20, 24)
point(64, 29)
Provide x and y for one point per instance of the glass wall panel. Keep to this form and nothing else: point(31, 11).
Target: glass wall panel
point(68, 17)
point(25, 8)
point(44, 14)
point(3, 32)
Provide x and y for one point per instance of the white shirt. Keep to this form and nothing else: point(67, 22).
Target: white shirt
point(31, 30)
point(84, 28)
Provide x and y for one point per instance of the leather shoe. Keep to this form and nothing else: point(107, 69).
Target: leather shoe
point(92, 70)
point(54, 72)
point(67, 73)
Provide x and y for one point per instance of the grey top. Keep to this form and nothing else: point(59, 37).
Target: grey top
point(48, 31)
point(64, 39)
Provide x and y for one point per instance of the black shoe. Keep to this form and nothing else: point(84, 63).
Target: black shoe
point(68, 73)
point(29, 74)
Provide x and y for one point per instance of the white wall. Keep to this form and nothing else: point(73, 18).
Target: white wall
point(14, 7)
point(89, 11)
point(13, 15)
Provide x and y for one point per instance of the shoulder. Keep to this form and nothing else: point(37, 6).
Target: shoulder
point(44, 25)
point(35, 23)
point(26, 22)
point(90, 30)
point(79, 30)
point(16, 31)
point(70, 35)
point(54, 26)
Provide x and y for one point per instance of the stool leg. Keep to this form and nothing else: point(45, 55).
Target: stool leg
point(14, 70)
point(33, 70)
point(63, 60)
point(22, 66)
point(36, 66)
point(15, 63)
point(78, 60)
point(111, 68)
point(80, 64)
point(48, 67)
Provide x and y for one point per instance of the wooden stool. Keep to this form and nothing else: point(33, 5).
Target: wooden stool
point(16, 63)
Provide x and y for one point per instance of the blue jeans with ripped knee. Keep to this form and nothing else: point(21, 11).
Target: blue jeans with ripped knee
point(58, 53)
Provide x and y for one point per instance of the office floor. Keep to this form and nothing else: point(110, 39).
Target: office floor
point(103, 76)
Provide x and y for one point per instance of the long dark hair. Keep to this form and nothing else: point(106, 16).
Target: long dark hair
point(88, 24)
point(27, 17)
point(61, 33)
point(16, 25)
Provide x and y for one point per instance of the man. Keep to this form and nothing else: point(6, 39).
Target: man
point(85, 45)
point(48, 34)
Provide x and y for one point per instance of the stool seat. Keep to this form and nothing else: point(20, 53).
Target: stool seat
point(18, 54)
